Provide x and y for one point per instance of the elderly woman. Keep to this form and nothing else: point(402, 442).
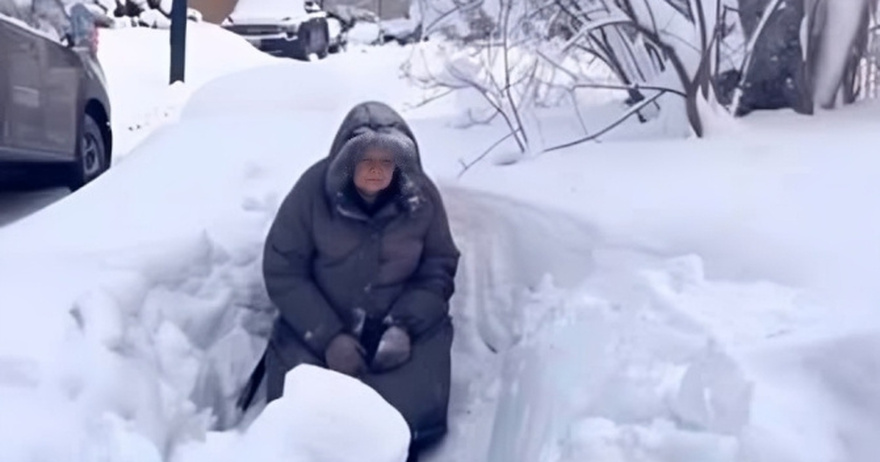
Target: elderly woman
point(360, 262)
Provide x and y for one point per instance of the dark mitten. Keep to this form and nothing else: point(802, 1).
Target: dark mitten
point(345, 355)
point(394, 350)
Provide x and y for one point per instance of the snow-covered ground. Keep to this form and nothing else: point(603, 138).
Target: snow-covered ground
point(626, 301)
point(136, 62)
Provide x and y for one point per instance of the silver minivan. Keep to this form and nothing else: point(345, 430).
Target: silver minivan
point(54, 107)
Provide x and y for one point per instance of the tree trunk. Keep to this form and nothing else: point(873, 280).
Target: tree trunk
point(777, 77)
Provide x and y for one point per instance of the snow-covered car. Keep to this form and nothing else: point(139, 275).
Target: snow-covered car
point(54, 106)
point(289, 28)
point(401, 30)
point(364, 27)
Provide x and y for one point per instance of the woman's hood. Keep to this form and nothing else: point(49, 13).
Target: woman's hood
point(373, 124)
point(371, 116)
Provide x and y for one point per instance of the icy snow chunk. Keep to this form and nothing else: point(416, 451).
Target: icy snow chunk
point(714, 394)
point(178, 360)
point(335, 417)
point(115, 439)
point(604, 440)
point(322, 417)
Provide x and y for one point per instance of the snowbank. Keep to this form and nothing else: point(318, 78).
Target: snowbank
point(136, 62)
point(765, 203)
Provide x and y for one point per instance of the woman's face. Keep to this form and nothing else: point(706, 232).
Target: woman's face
point(374, 172)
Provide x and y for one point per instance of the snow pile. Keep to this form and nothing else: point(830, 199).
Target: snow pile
point(607, 382)
point(332, 416)
point(136, 62)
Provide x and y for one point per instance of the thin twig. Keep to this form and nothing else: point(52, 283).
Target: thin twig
point(486, 95)
point(632, 111)
point(577, 111)
point(430, 27)
point(602, 86)
point(433, 98)
point(594, 25)
point(467, 166)
point(507, 90)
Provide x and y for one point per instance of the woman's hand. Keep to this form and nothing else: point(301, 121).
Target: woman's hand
point(393, 351)
point(345, 355)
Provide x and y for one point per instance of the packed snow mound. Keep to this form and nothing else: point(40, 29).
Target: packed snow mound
point(268, 88)
point(322, 417)
point(138, 81)
point(288, 88)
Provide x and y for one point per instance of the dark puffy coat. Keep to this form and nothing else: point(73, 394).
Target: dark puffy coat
point(331, 265)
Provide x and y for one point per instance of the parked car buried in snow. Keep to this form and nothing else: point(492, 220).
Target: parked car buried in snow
point(293, 29)
point(54, 108)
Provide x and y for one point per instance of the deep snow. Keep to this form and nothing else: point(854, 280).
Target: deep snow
point(137, 65)
point(651, 301)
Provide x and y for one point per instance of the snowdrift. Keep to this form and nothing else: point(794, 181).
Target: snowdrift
point(136, 62)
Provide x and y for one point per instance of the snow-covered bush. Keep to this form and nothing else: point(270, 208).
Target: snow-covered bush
point(697, 61)
point(140, 13)
point(521, 56)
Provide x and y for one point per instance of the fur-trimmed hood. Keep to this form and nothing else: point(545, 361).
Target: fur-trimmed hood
point(374, 124)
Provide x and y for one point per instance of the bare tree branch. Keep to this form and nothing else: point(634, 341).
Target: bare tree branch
point(611, 21)
point(458, 8)
point(632, 111)
point(507, 89)
point(431, 99)
point(467, 166)
point(600, 86)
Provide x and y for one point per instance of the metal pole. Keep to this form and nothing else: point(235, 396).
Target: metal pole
point(178, 40)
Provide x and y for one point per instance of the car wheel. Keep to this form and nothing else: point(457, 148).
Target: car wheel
point(91, 156)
